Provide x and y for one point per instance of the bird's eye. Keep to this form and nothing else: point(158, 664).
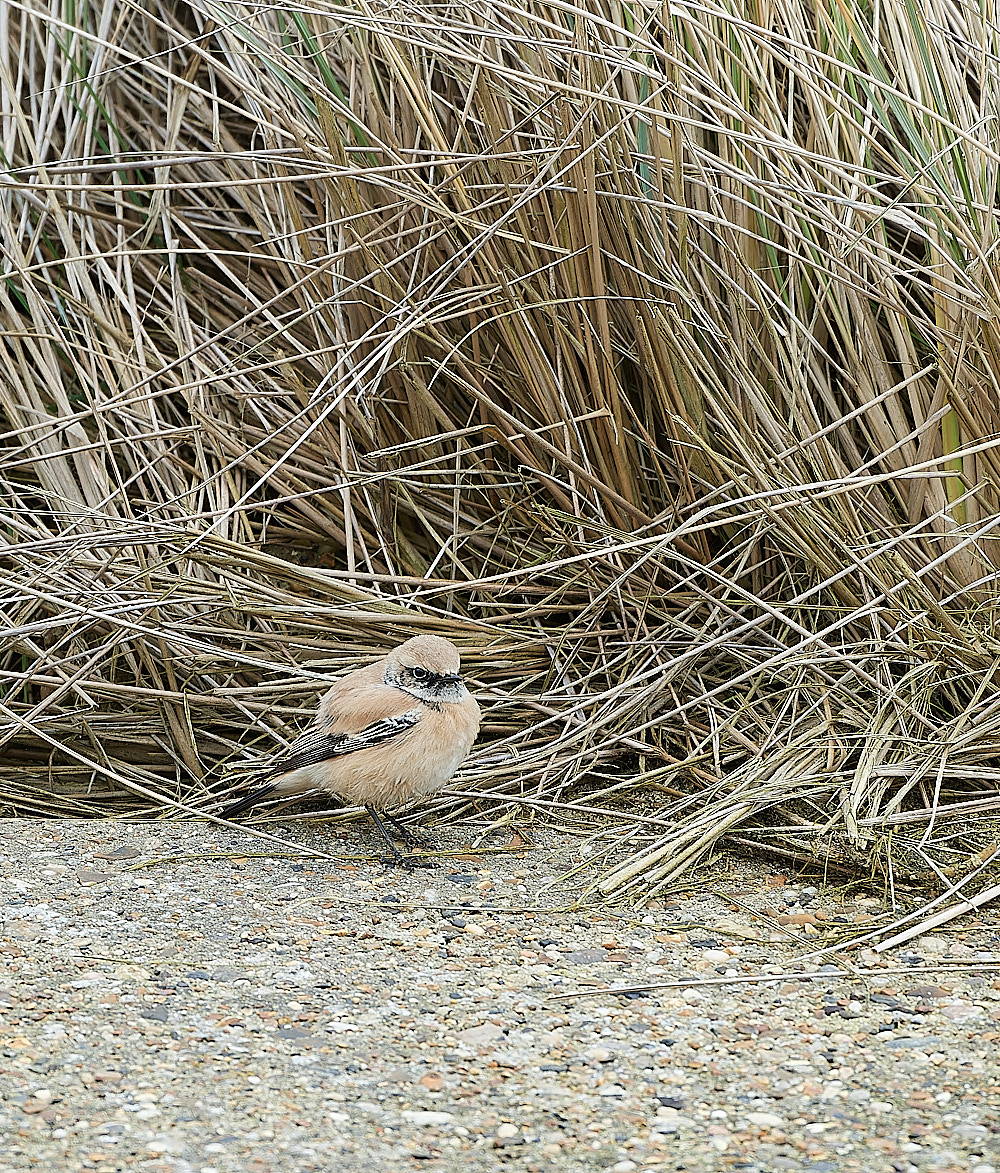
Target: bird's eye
point(419, 673)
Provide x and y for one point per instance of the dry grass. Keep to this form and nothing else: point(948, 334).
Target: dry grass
point(651, 354)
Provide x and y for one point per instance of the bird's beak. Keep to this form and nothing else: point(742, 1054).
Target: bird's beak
point(451, 678)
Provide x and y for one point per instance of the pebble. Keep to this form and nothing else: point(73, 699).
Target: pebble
point(480, 1035)
point(765, 1119)
point(715, 955)
point(585, 956)
point(962, 1011)
point(970, 1132)
point(427, 1119)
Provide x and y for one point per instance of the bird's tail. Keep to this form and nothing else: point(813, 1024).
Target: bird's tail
point(248, 800)
point(248, 771)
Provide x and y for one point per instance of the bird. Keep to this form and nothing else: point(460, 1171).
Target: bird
point(384, 735)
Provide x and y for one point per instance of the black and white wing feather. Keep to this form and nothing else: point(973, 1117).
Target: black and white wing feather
point(315, 746)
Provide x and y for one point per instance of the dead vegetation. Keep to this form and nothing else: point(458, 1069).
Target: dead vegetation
point(650, 354)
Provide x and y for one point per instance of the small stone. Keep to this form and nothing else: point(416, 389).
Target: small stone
point(480, 1035)
point(118, 853)
point(666, 1124)
point(426, 1119)
point(765, 1119)
point(624, 1167)
point(88, 876)
point(433, 1081)
point(293, 1032)
point(970, 1132)
point(585, 956)
point(923, 992)
point(911, 1044)
point(961, 1011)
point(508, 1131)
point(155, 1013)
point(167, 1143)
point(599, 1054)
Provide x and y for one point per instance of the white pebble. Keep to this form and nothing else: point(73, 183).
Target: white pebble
point(427, 1119)
point(765, 1119)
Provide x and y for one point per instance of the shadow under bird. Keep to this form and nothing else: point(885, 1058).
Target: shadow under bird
point(384, 736)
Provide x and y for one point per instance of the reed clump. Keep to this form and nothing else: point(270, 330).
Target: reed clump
point(649, 353)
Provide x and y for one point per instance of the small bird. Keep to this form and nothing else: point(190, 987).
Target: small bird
point(383, 736)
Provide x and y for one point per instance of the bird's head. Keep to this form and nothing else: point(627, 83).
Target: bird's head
point(427, 667)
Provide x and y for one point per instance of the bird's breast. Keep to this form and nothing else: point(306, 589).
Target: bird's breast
point(410, 766)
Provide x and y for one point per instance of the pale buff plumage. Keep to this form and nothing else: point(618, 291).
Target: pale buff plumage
point(384, 735)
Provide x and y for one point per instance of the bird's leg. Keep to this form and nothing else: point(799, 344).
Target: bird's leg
point(405, 834)
point(397, 857)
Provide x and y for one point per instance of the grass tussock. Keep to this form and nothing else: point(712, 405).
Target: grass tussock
point(648, 352)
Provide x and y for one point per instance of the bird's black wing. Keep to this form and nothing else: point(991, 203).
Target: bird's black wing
point(315, 746)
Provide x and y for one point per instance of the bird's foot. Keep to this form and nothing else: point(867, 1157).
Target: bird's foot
point(397, 858)
point(408, 861)
point(412, 840)
point(405, 835)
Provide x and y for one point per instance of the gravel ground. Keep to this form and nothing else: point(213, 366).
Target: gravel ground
point(261, 1014)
